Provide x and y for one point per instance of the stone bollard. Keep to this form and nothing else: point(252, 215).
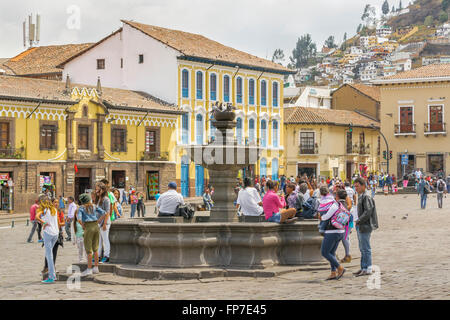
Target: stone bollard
point(28, 222)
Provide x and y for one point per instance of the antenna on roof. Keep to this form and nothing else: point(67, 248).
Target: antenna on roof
point(34, 30)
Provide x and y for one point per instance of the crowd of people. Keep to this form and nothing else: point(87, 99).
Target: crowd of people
point(339, 206)
point(86, 225)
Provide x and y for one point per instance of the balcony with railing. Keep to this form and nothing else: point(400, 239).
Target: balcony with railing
point(12, 153)
point(435, 128)
point(308, 149)
point(356, 149)
point(405, 129)
point(154, 156)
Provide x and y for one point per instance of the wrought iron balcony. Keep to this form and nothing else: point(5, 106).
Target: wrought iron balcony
point(435, 128)
point(405, 129)
point(154, 156)
point(12, 153)
point(308, 150)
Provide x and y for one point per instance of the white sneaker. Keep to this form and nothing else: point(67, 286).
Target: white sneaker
point(95, 270)
point(86, 272)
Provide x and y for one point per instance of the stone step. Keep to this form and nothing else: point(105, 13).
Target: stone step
point(122, 274)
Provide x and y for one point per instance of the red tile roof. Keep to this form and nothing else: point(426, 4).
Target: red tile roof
point(303, 115)
point(429, 72)
point(195, 45)
point(13, 87)
point(42, 60)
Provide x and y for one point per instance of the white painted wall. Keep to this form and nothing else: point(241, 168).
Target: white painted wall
point(156, 76)
point(83, 69)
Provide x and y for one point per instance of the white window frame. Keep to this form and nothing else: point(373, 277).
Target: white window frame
point(230, 88)
point(278, 93)
point(217, 91)
point(254, 92)
point(189, 82)
point(253, 116)
point(260, 93)
point(242, 90)
point(428, 111)
point(200, 111)
point(189, 114)
point(300, 139)
point(203, 86)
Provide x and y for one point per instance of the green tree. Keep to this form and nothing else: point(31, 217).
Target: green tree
point(329, 43)
point(443, 16)
point(385, 7)
point(445, 4)
point(428, 21)
point(344, 43)
point(400, 5)
point(304, 52)
point(358, 30)
point(393, 9)
point(278, 56)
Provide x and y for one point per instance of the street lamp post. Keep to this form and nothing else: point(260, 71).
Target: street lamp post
point(387, 146)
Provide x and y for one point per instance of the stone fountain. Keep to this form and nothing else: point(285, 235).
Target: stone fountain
point(222, 242)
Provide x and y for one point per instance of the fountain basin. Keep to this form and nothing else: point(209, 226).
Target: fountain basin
point(223, 245)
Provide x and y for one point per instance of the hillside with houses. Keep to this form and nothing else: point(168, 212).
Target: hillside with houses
point(399, 39)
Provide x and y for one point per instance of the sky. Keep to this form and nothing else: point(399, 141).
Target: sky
point(254, 26)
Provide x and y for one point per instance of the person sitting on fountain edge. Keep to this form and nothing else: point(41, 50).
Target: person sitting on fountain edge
point(273, 204)
point(248, 200)
point(168, 202)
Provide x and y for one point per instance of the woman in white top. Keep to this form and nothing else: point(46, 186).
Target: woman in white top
point(249, 201)
point(47, 215)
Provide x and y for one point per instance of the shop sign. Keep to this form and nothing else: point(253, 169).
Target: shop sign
point(4, 176)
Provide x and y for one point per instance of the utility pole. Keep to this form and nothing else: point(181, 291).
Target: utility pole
point(387, 147)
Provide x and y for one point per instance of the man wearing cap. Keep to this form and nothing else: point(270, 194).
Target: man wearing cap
point(168, 202)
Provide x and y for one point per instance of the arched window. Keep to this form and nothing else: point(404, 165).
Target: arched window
point(275, 94)
point(275, 169)
point(263, 141)
point(185, 128)
point(239, 130)
point(263, 167)
point(251, 130)
point(212, 129)
point(239, 90)
point(263, 92)
point(199, 128)
point(199, 85)
point(275, 133)
point(213, 86)
point(185, 83)
point(251, 91)
point(226, 89)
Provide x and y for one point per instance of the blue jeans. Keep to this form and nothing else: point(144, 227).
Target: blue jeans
point(133, 209)
point(49, 243)
point(276, 217)
point(423, 200)
point(366, 250)
point(329, 246)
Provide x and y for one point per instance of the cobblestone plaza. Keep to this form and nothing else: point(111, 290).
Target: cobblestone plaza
point(410, 249)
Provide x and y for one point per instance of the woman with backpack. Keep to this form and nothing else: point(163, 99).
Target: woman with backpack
point(335, 232)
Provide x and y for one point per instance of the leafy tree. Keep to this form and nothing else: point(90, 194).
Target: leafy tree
point(329, 43)
point(443, 16)
point(400, 5)
point(445, 4)
point(358, 30)
point(369, 14)
point(393, 9)
point(428, 21)
point(385, 7)
point(304, 52)
point(278, 56)
point(344, 43)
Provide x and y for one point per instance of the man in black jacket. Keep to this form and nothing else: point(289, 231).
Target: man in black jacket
point(366, 223)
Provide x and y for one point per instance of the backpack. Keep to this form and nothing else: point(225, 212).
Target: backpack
point(299, 205)
point(426, 188)
point(440, 186)
point(341, 217)
point(310, 208)
point(186, 211)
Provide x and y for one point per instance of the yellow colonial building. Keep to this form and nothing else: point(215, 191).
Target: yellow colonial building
point(330, 143)
point(414, 119)
point(63, 138)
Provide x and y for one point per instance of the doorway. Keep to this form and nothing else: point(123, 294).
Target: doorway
point(152, 184)
point(349, 170)
point(118, 179)
point(310, 169)
point(82, 182)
